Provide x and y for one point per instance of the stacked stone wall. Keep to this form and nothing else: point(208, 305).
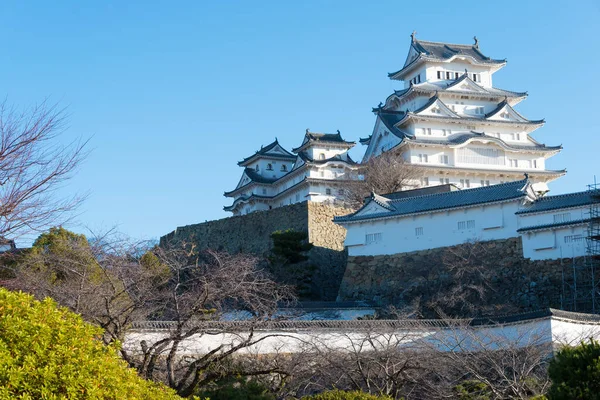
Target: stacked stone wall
point(400, 279)
point(251, 234)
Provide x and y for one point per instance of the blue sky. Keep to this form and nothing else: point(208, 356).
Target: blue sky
point(173, 94)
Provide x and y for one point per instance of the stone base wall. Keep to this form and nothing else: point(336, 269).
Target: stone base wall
point(400, 279)
point(251, 234)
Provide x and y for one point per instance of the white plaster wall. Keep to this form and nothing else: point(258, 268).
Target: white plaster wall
point(328, 151)
point(536, 244)
point(459, 66)
point(440, 229)
point(547, 217)
point(551, 243)
point(536, 332)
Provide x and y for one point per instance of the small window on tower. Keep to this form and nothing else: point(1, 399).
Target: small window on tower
point(439, 74)
point(456, 75)
point(322, 156)
point(448, 74)
point(284, 168)
point(419, 78)
point(269, 167)
point(328, 192)
point(256, 168)
point(475, 78)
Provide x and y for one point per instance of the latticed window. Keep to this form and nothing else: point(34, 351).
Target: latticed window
point(573, 238)
point(372, 238)
point(562, 217)
point(480, 155)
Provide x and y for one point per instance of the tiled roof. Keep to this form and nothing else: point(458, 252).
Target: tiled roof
point(264, 150)
point(448, 200)
point(555, 225)
point(444, 87)
point(464, 137)
point(421, 191)
point(390, 119)
point(338, 157)
point(258, 178)
point(322, 137)
point(436, 51)
point(365, 140)
point(569, 200)
point(255, 177)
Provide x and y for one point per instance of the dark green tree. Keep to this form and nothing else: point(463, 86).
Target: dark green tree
point(575, 372)
point(288, 260)
point(290, 246)
point(341, 395)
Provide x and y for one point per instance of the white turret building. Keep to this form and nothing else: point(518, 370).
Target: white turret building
point(455, 125)
point(274, 177)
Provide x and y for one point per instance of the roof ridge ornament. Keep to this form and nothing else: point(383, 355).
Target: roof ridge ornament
point(476, 44)
point(307, 130)
point(338, 132)
point(413, 36)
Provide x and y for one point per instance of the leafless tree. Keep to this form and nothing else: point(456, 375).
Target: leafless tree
point(465, 282)
point(202, 290)
point(116, 284)
point(421, 361)
point(33, 166)
point(387, 173)
point(510, 362)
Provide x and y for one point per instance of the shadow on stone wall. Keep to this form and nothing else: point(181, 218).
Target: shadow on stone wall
point(251, 234)
point(515, 282)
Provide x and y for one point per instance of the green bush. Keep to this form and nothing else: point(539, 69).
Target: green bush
point(341, 395)
point(47, 352)
point(473, 390)
point(237, 389)
point(575, 373)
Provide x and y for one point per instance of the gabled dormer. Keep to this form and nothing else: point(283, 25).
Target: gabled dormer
point(423, 55)
point(271, 161)
point(272, 151)
point(466, 84)
point(504, 112)
point(322, 146)
point(436, 108)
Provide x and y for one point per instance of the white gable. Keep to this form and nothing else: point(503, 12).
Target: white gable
point(277, 150)
point(507, 113)
point(438, 109)
point(467, 85)
point(372, 208)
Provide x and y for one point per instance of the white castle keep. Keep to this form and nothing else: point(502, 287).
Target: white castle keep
point(448, 120)
point(453, 123)
point(274, 177)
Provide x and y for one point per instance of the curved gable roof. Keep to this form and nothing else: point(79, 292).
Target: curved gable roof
point(448, 200)
point(312, 137)
point(568, 200)
point(438, 51)
point(271, 151)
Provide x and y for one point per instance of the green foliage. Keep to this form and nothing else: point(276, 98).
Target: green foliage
point(575, 372)
point(290, 246)
point(237, 389)
point(287, 260)
point(58, 251)
point(47, 352)
point(341, 395)
point(153, 264)
point(473, 390)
